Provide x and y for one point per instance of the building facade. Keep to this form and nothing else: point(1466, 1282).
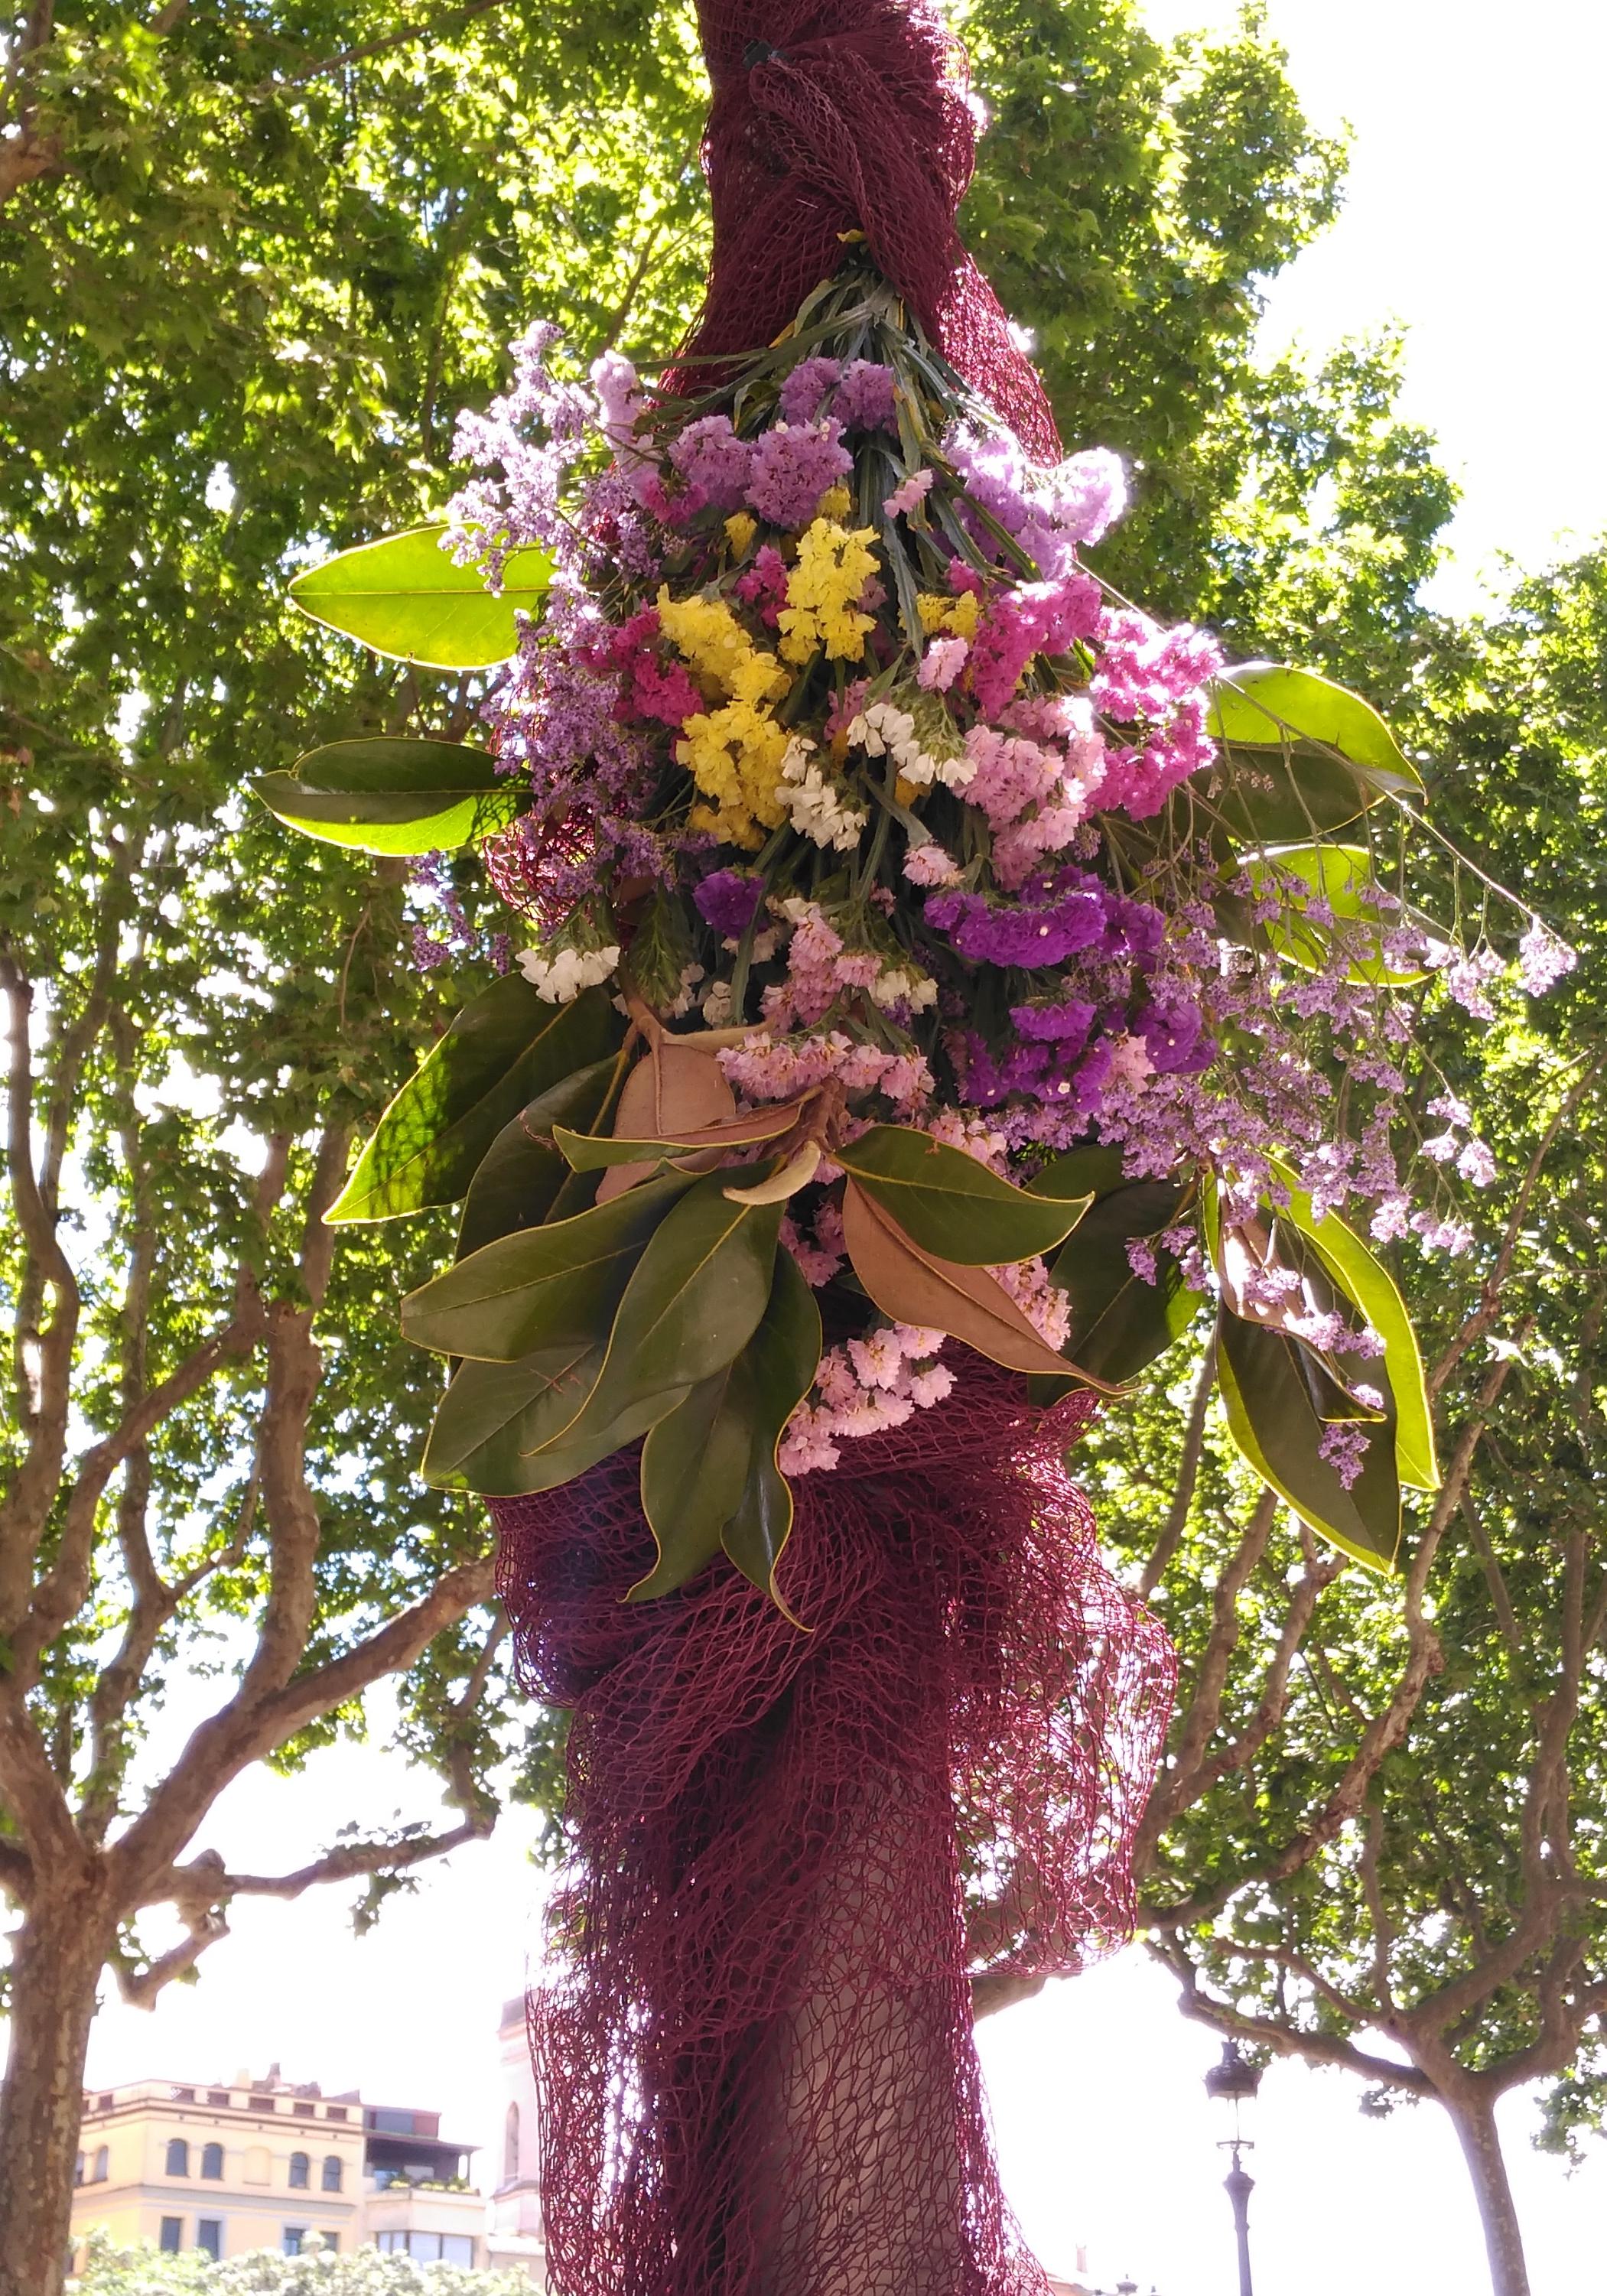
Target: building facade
point(264, 2163)
point(514, 2240)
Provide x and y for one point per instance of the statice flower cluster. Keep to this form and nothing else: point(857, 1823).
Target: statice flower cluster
point(928, 822)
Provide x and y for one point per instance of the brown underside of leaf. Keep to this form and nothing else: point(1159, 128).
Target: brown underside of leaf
point(913, 1287)
point(670, 1090)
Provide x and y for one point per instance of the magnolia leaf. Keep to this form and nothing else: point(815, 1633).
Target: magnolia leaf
point(495, 1416)
point(780, 1359)
point(950, 1205)
point(1081, 1174)
point(691, 1303)
point(1120, 1323)
point(517, 1181)
point(593, 1436)
point(796, 1173)
point(404, 597)
point(1304, 756)
point(1341, 876)
point(1275, 1424)
point(914, 1286)
point(671, 1089)
point(542, 1286)
point(694, 1465)
point(588, 1151)
point(503, 1048)
point(383, 796)
point(1362, 1278)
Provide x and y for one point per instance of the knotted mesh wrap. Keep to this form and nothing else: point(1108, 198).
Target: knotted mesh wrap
point(754, 2047)
point(849, 116)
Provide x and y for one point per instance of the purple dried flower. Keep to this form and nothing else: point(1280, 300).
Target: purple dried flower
point(713, 460)
point(728, 901)
point(865, 400)
point(805, 389)
point(792, 467)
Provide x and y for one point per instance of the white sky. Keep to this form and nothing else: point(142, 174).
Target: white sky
point(1475, 214)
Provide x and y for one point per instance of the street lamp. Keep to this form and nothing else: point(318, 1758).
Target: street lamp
point(1234, 2081)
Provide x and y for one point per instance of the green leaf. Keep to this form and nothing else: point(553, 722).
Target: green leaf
point(781, 1360)
point(1119, 1324)
point(516, 1183)
point(543, 1286)
point(1341, 875)
point(708, 1471)
point(382, 796)
point(1081, 1173)
point(404, 597)
point(1274, 1419)
point(503, 1048)
point(1304, 755)
point(592, 1151)
point(1362, 1278)
point(950, 1204)
point(697, 1295)
point(495, 1416)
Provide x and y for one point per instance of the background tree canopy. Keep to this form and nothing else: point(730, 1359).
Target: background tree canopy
point(253, 263)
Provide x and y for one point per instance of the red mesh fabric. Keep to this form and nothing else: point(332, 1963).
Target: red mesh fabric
point(754, 2047)
point(833, 116)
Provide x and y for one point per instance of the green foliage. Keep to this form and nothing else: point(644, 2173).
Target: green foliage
point(144, 2272)
point(406, 598)
point(386, 796)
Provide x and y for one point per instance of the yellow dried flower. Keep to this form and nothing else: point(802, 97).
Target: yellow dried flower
point(740, 531)
point(824, 588)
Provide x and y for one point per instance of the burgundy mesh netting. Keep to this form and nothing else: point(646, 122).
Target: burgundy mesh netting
point(834, 116)
point(754, 2045)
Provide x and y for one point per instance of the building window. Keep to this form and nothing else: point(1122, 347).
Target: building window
point(103, 2164)
point(458, 2248)
point(302, 2172)
point(178, 2157)
point(211, 2161)
point(331, 2242)
point(332, 2172)
point(509, 2147)
point(335, 2112)
point(183, 2096)
point(260, 2104)
point(218, 2096)
point(172, 2235)
point(78, 2174)
point(429, 2247)
point(294, 2234)
point(304, 2111)
point(209, 2237)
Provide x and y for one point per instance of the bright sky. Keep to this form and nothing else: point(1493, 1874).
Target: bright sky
point(1475, 214)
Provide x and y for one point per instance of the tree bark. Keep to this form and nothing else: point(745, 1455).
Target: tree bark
point(57, 1958)
point(1474, 2121)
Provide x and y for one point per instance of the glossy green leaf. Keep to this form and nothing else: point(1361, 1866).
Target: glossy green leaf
point(516, 1183)
point(1340, 876)
point(698, 1294)
point(1363, 1277)
point(495, 1416)
point(1274, 1419)
point(780, 1359)
point(383, 796)
point(404, 597)
point(543, 1286)
point(503, 1048)
point(951, 1205)
point(1119, 1324)
point(1090, 1171)
point(1303, 756)
point(592, 1151)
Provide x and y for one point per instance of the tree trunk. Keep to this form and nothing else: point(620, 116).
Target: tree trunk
point(57, 1958)
point(1474, 2121)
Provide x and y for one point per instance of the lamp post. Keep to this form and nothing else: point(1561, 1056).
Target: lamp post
point(1234, 2081)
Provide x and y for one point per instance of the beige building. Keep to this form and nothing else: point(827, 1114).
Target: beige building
point(265, 2164)
point(514, 2240)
